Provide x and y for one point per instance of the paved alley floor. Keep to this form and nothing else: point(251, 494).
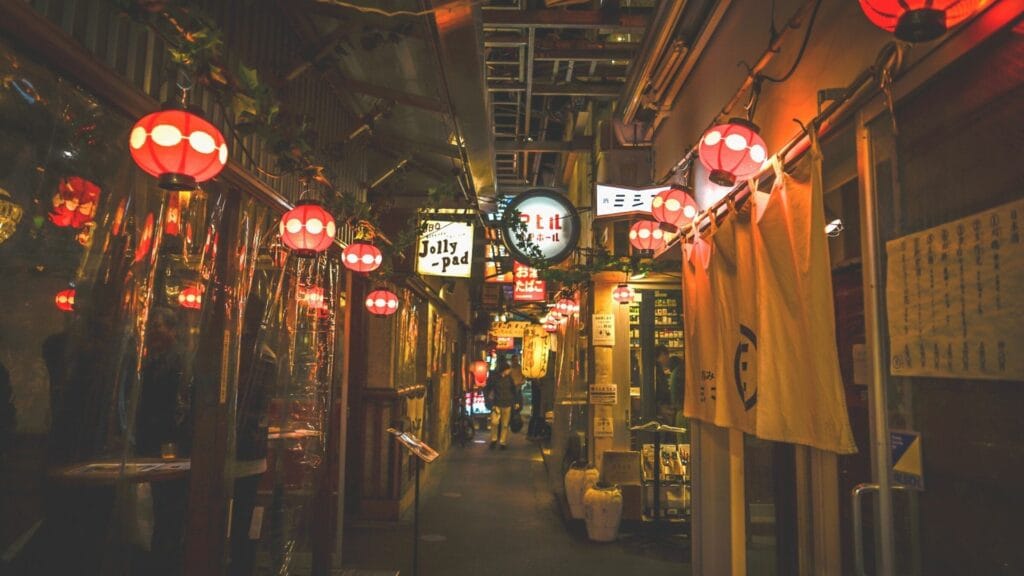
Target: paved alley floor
point(492, 513)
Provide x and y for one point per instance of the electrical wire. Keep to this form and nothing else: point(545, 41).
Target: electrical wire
point(398, 13)
point(800, 54)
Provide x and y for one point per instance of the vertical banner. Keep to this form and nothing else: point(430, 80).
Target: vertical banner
point(535, 352)
point(527, 286)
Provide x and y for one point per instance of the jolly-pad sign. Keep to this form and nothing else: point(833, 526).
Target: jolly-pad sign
point(445, 248)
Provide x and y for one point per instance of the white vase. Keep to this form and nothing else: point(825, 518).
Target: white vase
point(577, 481)
point(603, 511)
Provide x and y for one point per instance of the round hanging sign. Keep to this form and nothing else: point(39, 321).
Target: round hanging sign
point(541, 224)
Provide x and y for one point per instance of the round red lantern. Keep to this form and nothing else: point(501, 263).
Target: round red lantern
point(179, 147)
point(674, 208)
point(566, 307)
point(361, 256)
point(732, 151)
point(65, 300)
point(312, 297)
point(307, 229)
point(919, 20)
point(74, 204)
point(479, 370)
point(382, 302)
point(191, 298)
point(647, 236)
point(622, 294)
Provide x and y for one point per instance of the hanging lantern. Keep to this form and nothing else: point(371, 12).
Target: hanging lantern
point(919, 20)
point(535, 352)
point(479, 370)
point(307, 229)
point(382, 302)
point(646, 236)
point(674, 208)
point(566, 307)
point(172, 222)
point(732, 151)
point(361, 256)
point(551, 326)
point(65, 300)
point(191, 297)
point(312, 297)
point(10, 215)
point(179, 147)
point(622, 294)
point(74, 204)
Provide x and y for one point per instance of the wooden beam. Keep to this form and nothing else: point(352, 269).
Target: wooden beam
point(570, 89)
point(398, 96)
point(586, 19)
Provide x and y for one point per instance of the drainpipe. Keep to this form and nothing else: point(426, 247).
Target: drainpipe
point(656, 40)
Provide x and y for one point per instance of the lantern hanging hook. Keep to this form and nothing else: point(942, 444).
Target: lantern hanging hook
point(185, 85)
point(755, 95)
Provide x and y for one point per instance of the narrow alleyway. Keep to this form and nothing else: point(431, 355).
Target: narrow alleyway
point(493, 513)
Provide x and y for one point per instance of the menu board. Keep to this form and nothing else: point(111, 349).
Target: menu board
point(953, 298)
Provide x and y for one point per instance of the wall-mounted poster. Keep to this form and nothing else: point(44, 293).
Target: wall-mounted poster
point(541, 223)
point(527, 285)
point(445, 248)
point(604, 329)
point(953, 298)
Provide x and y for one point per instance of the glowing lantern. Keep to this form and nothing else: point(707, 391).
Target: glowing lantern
point(74, 204)
point(172, 223)
point(307, 229)
point(65, 300)
point(646, 235)
point(382, 302)
point(551, 326)
point(479, 370)
point(535, 352)
point(361, 256)
point(312, 297)
point(732, 151)
point(566, 307)
point(622, 294)
point(674, 208)
point(178, 147)
point(919, 20)
point(191, 298)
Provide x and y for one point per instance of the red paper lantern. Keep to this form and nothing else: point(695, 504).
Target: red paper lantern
point(312, 297)
point(674, 208)
point(361, 256)
point(479, 370)
point(65, 300)
point(191, 298)
point(307, 229)
point(566, 307)
point(179, 147)
point(382, 302)
point(732, 151)
point(172, 222)
point(646, 235)
point(550, 326)
point(919, 20)
point(74, 204)
point(622, 294)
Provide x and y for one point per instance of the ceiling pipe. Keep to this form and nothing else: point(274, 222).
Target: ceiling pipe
point(655, 42)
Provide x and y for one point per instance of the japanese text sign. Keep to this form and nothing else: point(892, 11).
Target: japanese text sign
point(527, 286)
point(541, 224)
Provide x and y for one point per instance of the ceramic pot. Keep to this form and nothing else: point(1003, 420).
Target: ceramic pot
point(603, 512)
point(578, 480)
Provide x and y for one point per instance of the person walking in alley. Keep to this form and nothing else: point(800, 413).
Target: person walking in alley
point(504, 397)
point(669, 386)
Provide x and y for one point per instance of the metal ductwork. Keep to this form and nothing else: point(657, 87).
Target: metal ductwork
point(655, 60)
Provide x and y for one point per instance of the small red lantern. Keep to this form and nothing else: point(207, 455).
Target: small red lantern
point(74, 204)
point(674, 208)
point(647, 236)
point(312, 297)
point(566, 307)
point(65, 300)
point(361, 256)
point(382, 302)
point(550, 326)
point(172, 222)
point(179, 147)
point(919, 20)
point(191, 298)
point(622, 294)
point(732, 151)
point(307, 229)
point(479, 370)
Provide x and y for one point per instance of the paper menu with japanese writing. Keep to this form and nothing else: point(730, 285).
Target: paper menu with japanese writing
point(954, 298)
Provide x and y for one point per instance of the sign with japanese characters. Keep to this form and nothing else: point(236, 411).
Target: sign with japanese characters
point(541, 225)
point(445, 248)
point(604, 329)
point(953, 298)
point(508, 329)
point(616, 201)
point(527, 286)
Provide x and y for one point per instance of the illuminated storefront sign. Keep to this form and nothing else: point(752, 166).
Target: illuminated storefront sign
point(492, 275)
point(505, 343)
point(613, 201)
point(445, 248)
point(527, 286)
point(541, 224)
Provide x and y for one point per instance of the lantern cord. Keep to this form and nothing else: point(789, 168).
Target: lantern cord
point(800, 53)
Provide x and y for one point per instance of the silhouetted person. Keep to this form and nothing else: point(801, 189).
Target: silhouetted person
point(669, 386)
point(504, 397)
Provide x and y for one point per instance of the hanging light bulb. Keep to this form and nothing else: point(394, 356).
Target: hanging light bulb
point(732, 151)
